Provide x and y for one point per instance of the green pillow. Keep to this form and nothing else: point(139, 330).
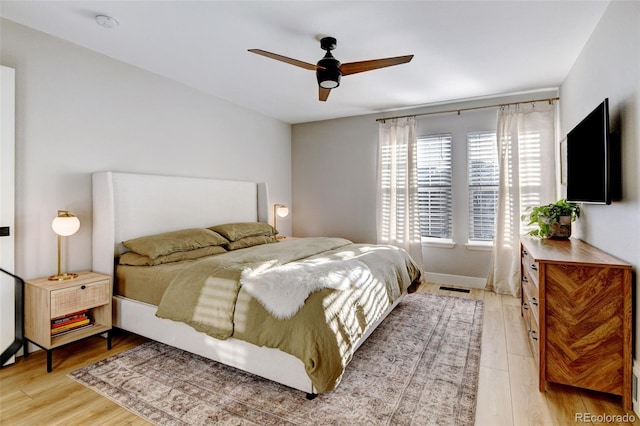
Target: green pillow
point(251, 241)
point(134, 259)
point(170, 242)
point(239, 230)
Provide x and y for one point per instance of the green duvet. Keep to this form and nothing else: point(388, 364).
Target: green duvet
point(210, 297)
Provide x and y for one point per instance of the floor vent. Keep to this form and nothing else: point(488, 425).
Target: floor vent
point(459, 290)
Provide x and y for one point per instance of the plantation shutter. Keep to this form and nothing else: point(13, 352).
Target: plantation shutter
point(482, 158)
point(434, 186)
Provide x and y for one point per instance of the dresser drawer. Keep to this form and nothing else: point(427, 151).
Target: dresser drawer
point(533, 335)
point(531, 294)
point(532, 328)
point(76, 298)
point(529, 265)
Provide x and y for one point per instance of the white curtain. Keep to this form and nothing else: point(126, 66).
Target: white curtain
point(398, 219)
point(526, 136)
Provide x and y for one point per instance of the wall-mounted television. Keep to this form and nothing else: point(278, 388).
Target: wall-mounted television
point(589, 158)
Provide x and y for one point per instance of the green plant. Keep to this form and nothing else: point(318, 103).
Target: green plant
point(547, 217)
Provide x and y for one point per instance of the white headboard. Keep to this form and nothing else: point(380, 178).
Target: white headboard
point(129, 205)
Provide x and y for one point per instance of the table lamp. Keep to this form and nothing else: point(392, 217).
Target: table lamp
point(279, 210)
point(64, 225)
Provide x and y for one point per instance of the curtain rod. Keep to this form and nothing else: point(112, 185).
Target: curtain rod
point(459, 110)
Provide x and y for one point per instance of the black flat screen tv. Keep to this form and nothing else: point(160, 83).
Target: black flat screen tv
point(589, 158)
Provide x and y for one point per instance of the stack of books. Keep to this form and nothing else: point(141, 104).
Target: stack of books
point(70, 322)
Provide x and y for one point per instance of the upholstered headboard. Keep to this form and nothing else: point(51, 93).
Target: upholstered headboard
point(129, 205)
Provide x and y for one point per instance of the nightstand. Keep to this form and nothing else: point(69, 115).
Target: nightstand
point(57, 313)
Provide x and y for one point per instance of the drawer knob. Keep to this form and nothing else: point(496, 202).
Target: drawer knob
point(526, 253)
point(524, 306)
point(534, 266)
point(83, 287)
point(534, 301)
point(533, 334)
point(525, 279)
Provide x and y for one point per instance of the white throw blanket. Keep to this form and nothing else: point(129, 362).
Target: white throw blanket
point(282, 290)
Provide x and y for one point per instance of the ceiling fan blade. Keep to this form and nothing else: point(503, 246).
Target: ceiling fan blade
point(356, 67)
point(323, 94)
point(291, 61)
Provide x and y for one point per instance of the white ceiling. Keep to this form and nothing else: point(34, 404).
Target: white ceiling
point(463, 49)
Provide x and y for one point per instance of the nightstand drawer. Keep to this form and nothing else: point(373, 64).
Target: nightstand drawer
point(76, 298)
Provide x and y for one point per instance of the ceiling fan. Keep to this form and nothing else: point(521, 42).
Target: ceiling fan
point(329, 69)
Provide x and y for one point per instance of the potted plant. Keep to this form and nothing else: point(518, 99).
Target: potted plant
point(553, 220)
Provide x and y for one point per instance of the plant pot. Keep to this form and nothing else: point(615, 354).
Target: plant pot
point(561, 230)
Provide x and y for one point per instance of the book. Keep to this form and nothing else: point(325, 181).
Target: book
point(72, 330)
point(69, 320)
point(70, 326)
point(64, 317)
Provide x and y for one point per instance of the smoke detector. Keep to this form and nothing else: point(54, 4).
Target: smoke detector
point(107, 21)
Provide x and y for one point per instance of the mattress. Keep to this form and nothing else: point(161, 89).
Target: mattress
point(147, 283)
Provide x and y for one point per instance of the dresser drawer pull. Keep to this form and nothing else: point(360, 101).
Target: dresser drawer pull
point(525, 279)
point(524, 252)
point(83, 287)
point(533, 334)
point(534, 301)
point(534, 266)
point(525, 306)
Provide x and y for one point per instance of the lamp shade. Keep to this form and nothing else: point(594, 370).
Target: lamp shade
point(282, 211)
point(65, 224)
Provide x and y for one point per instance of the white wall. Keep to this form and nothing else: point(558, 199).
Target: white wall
point(78, 111)
point(334, 179)
point(609, 67)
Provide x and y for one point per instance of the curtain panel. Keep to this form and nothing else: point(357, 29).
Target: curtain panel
point(526, 137)
point(398, 218)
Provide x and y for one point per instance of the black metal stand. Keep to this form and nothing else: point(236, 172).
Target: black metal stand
point(19, 320)
point(50, 351)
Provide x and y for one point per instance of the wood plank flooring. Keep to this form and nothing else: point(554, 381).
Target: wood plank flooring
point(507, 395)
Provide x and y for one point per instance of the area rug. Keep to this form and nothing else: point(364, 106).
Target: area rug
point(420, 367)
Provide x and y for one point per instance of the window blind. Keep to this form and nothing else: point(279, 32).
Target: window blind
point(434, 186)
point(483, 178)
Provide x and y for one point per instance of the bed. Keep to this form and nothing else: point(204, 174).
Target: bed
point(129, 207)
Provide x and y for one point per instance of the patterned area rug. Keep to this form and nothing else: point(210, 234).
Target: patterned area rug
point(419, 367)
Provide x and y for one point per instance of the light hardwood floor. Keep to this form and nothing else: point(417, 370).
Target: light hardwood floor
point(507, 395)
point(508, 388)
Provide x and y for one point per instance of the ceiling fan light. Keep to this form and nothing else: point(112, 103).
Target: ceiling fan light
point(328, 78)
point(329, 84)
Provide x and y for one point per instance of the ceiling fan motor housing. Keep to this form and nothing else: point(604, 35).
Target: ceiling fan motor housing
point(328, 72)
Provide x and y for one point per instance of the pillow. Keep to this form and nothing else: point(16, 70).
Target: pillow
point(239, 230)
point(251, 241)
point(170, 242)
point(134, 259)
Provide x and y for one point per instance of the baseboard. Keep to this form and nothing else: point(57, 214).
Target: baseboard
point(635, 381)
point(457, 280)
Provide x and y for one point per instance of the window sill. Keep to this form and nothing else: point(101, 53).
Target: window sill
point(438, 243)
point(479, 245)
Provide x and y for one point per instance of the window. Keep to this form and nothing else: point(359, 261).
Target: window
point(434, 186)
point(483, 178)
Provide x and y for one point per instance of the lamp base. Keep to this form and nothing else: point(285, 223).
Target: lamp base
point(62, 277)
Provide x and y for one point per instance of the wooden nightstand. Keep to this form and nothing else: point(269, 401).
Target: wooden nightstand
point(57, 313)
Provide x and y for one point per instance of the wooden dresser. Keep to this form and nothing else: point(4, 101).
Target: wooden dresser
point(576, 303)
